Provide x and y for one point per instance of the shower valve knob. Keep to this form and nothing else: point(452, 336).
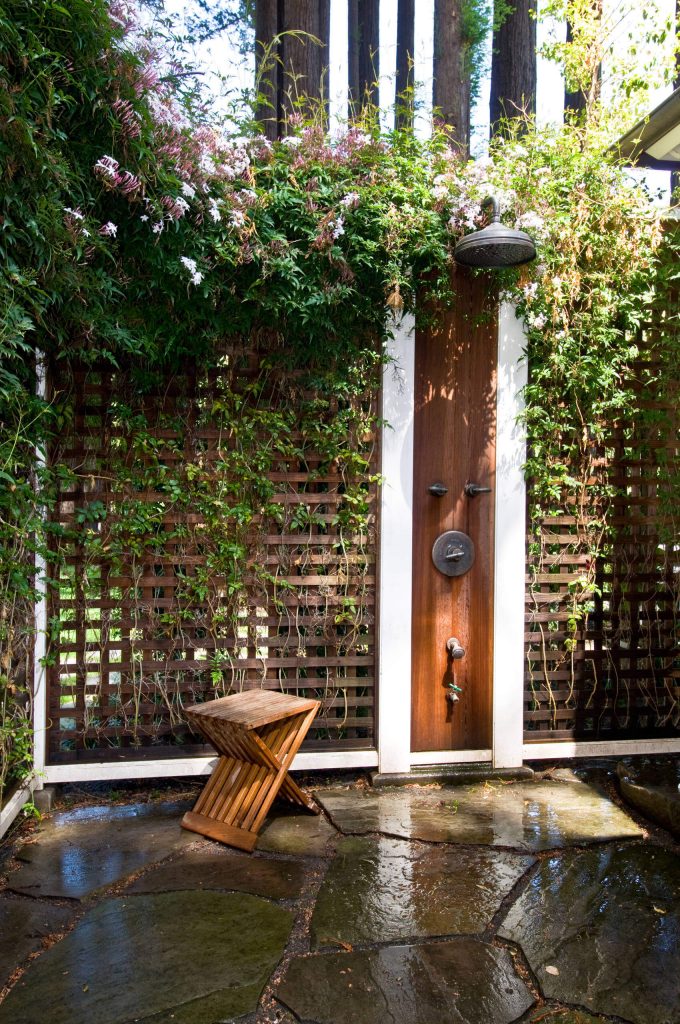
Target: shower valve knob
point(454, 648)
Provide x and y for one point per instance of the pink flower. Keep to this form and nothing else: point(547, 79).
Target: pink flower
point(175, 206)
point(106, 167)
point(128, 118)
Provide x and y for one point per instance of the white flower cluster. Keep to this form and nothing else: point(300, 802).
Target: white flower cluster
point(537, 320)
point(109, 229)
point(214, 209)
point(234, 160)
point(466, 215)
point(191, 266)
point(337, 227)
point(530, 221)
point(350, 201)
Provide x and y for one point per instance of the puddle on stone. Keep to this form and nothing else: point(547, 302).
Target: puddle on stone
point(528, 816)
point(380, 890)
point(76, 854)
point(601, 929)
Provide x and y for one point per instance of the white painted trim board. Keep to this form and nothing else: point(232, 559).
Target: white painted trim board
point(396, 553)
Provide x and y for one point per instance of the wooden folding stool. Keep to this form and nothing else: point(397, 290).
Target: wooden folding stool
point(257, 734)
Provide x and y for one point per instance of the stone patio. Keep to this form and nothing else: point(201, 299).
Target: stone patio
point(542, 901)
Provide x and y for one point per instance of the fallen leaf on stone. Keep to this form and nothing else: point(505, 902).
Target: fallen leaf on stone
point(659, 910)
point(551, 970)
point(86, 987)
point(347, 946)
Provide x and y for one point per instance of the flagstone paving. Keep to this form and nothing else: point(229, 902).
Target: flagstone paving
point(601, 928)
point(524, 815)
point(302, 835)
point(23, 926)
point(461, 982)
point(78, 852)
point(654, 790)
point(221, 869)
point(200, 956)
point(380, 890)
point(525, 903)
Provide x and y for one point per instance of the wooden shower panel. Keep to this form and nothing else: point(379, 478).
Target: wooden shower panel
point(455, 444)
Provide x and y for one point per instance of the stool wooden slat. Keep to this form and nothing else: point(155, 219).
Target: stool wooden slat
point(257, 734)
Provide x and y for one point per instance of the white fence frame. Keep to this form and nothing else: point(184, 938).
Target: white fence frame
point(394, 603)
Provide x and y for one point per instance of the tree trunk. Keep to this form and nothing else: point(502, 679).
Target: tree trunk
point(451, 78)
point(576, 101)
point(582, 100)
point(513, 64)
point(405, 48)
point(267, 67)
point(300, 56)
point(294, 82)
point(363, 37)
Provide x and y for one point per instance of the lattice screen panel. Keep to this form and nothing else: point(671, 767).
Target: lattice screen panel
point(606, 666)
point(139, 637)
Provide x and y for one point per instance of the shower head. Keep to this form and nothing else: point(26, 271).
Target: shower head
point(495, 245)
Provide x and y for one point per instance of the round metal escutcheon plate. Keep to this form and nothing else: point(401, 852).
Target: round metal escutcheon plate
point(453, 553)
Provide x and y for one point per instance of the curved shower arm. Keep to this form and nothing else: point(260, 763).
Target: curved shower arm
point(495, 208)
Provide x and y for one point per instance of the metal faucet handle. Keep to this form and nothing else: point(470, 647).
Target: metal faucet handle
point(454, 648)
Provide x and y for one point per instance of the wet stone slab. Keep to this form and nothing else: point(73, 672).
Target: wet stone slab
point(221, 869)
point(23, 926)
point(654, 791)
point(189, 958)
point(601, 929)
point(523, 815)
point(78, 852)
point(295, 833)
point(459, 982)
point(379, 890)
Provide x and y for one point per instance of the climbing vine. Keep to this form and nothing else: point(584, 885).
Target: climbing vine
point(139, 239)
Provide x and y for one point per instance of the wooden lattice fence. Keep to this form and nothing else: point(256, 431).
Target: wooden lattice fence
point(602, 633)
point(138, 635)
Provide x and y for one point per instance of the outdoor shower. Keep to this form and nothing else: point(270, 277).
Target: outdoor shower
point(495, 245)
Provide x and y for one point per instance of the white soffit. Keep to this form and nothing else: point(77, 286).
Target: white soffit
point(667, 147)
